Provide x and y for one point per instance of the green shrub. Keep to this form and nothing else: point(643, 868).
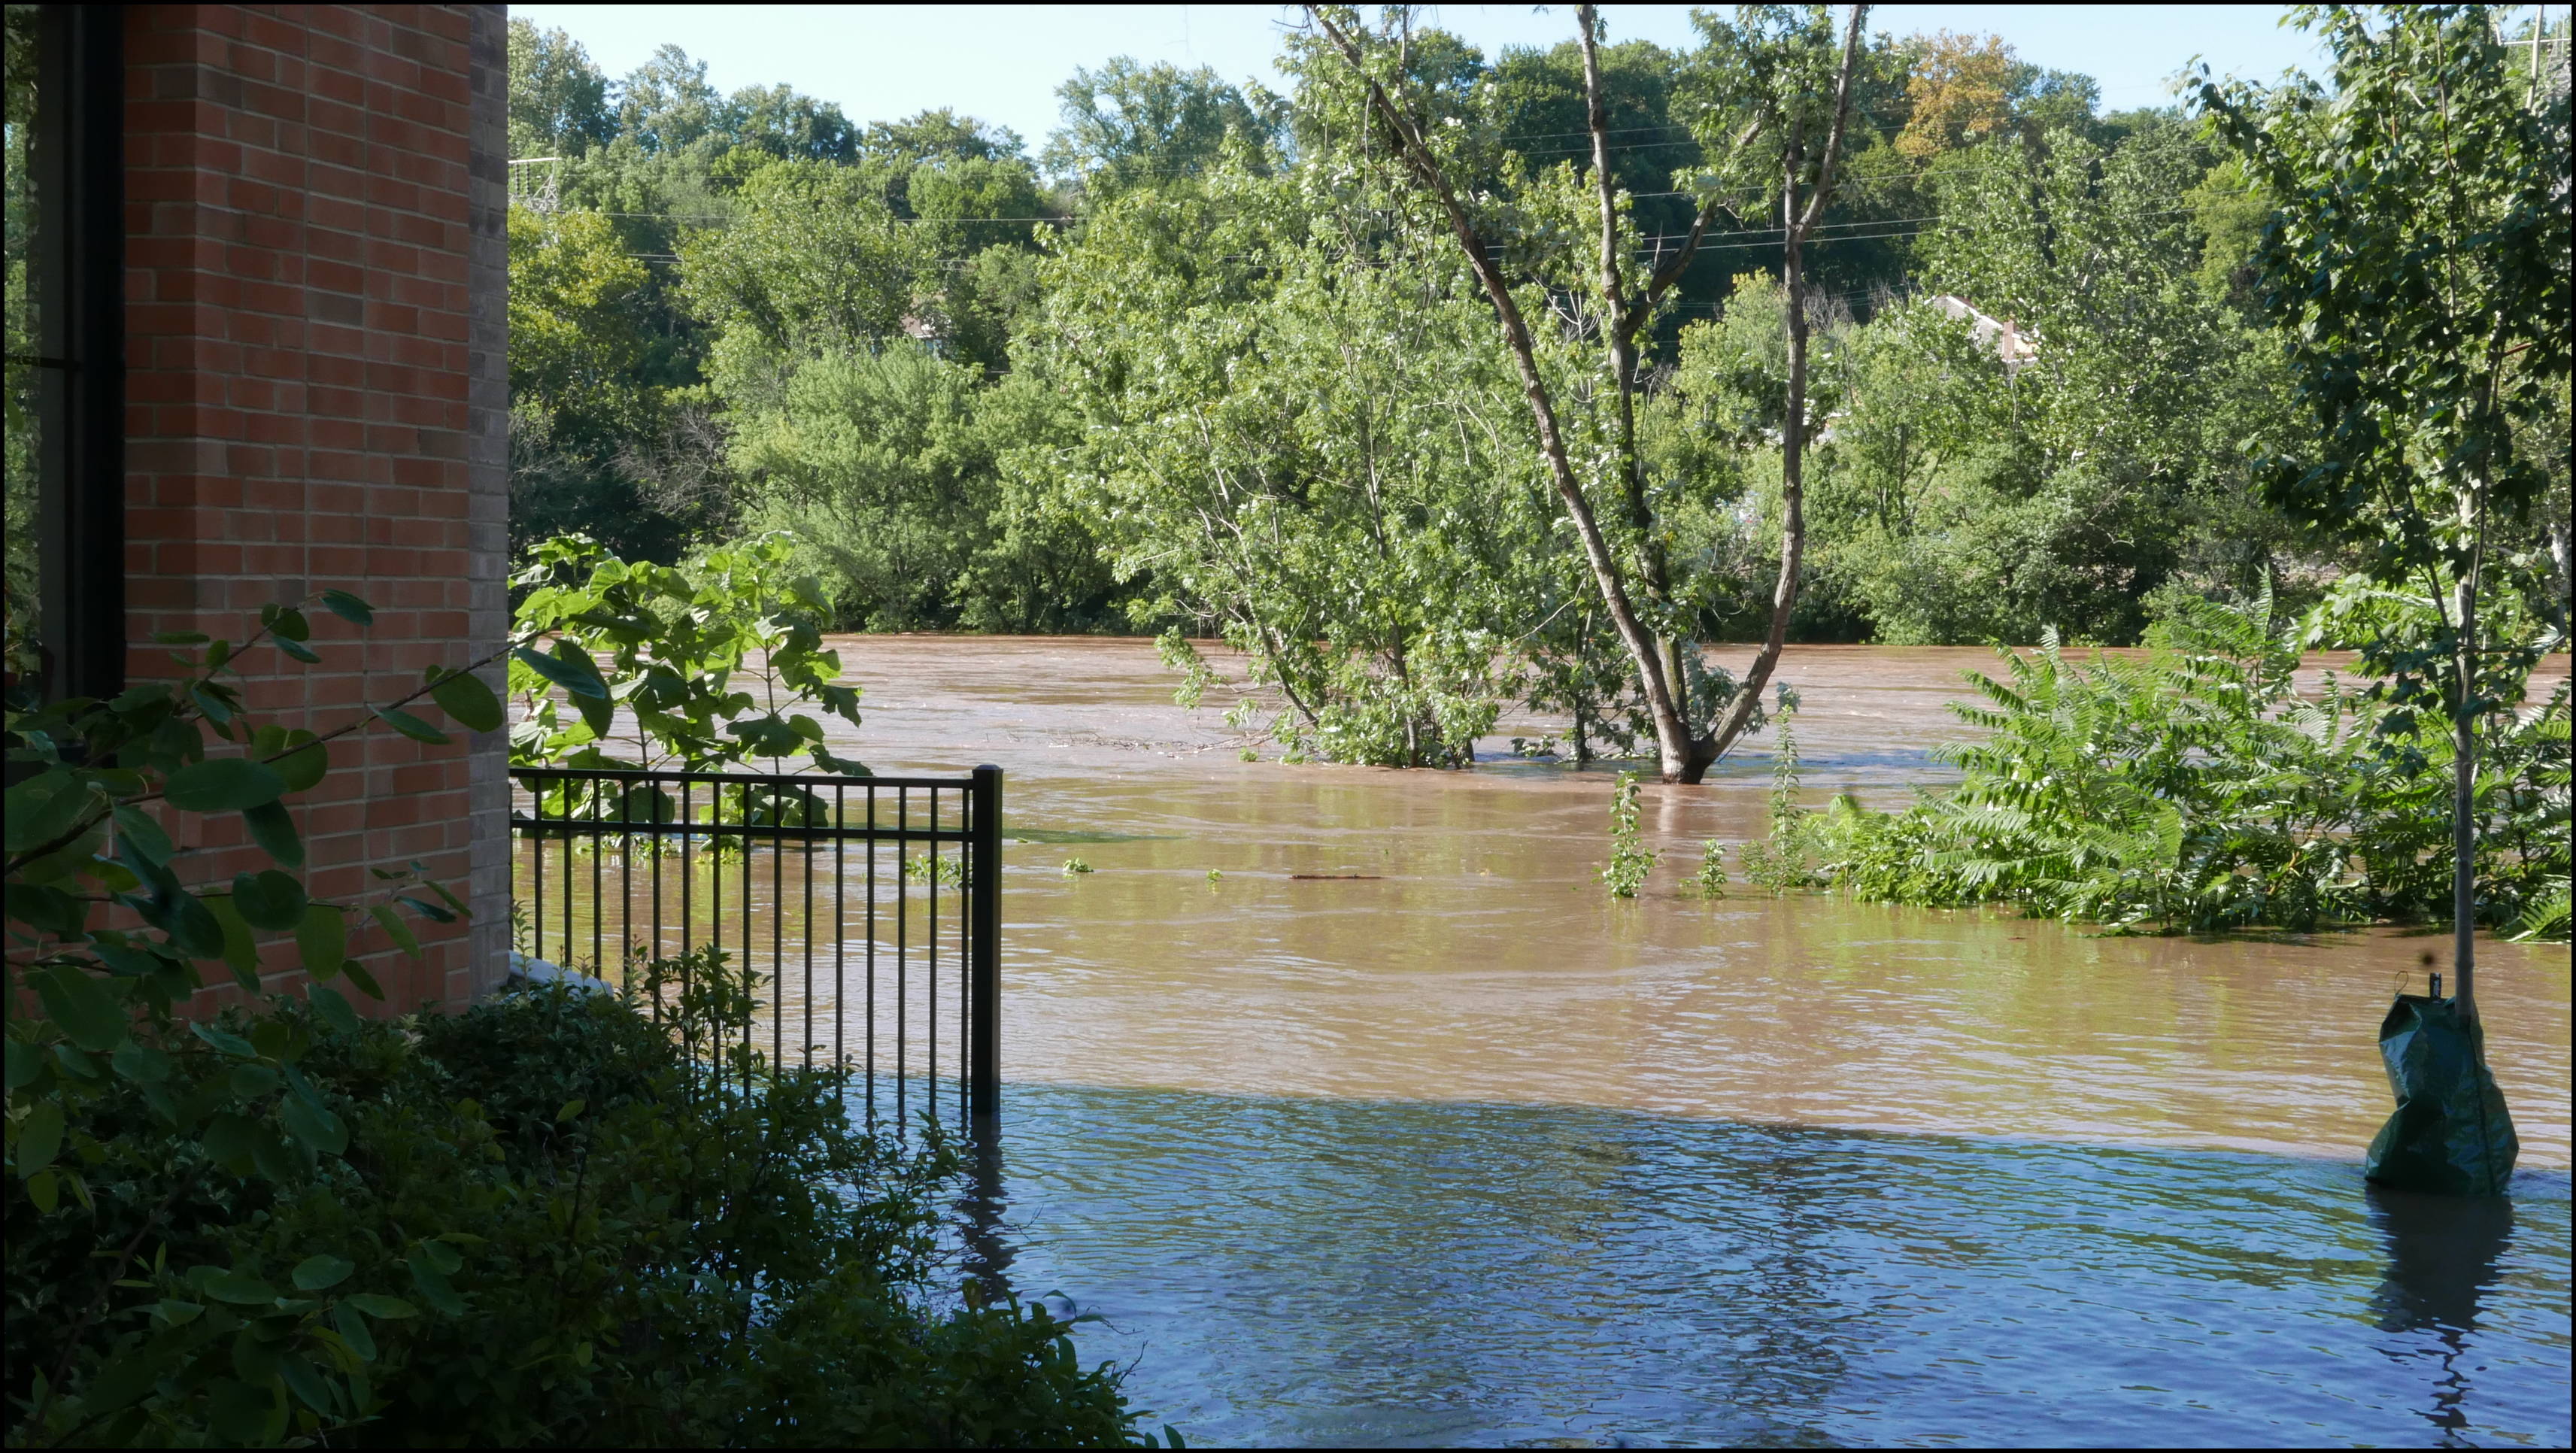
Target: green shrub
point(2197, 790)
point(551, 1224)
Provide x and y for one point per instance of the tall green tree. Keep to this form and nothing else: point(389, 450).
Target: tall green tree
point(1290, 436)
point(1772, 115)
point(1970, 496)
point(1128, 123)
point(2419, 263)
point(558, 97)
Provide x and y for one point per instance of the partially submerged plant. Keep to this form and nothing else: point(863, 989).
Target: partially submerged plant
point(1778, 862)
point(1710, 880)
point(1630, 862)
point(2199, 789)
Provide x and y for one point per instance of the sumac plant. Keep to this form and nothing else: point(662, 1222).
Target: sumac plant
point(126, 1126)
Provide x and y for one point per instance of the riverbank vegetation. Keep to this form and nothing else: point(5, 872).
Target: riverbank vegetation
point(1212, 361)
point(2198, 789)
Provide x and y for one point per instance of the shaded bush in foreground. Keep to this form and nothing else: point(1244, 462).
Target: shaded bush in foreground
point(566, 1233)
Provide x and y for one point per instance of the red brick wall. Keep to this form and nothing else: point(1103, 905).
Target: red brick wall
point(302, 414)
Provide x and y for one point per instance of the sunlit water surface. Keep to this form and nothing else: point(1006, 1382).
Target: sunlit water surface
point(1456, 1151)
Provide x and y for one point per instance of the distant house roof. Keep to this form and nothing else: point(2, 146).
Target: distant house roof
point(2011, 343)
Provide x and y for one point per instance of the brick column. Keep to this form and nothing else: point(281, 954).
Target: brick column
point(313, 340)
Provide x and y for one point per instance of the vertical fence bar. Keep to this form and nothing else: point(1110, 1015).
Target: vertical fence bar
point(931, 993)
point(984, 946)
point(598, 866)
point(536, 870)
point(872, 955)
point(901, 887)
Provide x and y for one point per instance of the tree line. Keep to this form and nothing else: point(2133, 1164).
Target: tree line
point(1433, 381)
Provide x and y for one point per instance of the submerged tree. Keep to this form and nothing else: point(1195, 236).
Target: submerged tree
point(2419, 265)
point(1774, 106)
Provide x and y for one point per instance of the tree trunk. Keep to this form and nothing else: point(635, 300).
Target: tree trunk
point(2464, 828)
point(1621, 318)
point(1796, 221)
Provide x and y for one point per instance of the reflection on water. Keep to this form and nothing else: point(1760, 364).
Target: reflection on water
point(2444, 1259)
point(1460, 1152)
point(1344, 1272)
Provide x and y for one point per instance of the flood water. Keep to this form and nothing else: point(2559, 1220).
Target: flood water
point(1449, 1149)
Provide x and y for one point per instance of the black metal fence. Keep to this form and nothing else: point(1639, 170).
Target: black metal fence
point(868, 908)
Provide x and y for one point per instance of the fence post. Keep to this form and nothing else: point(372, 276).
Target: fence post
point(984, 949)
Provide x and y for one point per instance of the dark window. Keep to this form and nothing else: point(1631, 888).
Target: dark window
point(66, 324)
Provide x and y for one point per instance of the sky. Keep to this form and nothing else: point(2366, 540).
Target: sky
point(1002, 63)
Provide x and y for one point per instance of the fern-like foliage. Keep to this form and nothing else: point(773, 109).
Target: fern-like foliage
point(2194, 788)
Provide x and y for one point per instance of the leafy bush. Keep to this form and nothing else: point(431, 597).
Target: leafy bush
point(706, 659)
point(2196, 789)
point(550, 1222)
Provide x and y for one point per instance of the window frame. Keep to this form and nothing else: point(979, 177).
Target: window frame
point(77, 268)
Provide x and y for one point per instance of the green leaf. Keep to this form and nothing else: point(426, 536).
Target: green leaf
point(462, 695)
point(365, 981)
point(570, 668)
point(298, 650)
point(317, 1128)
point(571, 1109)
point(348, 607)
point(237, 1287)
point(399, 930)
point(138, 834)
point(239, 1413)
point(44, 808)
point(307, 1384)
point(305, 762)
point(410, 725)
point(230, 1142)
point(47, 910)
point(446, 1258)
point(224, 784)
point(433, 1287)
point(333, 1007)
point(40, 1137)
point(194, 927)
point(323, 937)
point(85, 1007)
point(319, 1273)
point(381, 1307)
point(289, 625)
point(241, 953)
point(224, 1041)
point(353, 1329)
point(269, 899)
point(426, 909)
point(141, 1063)
point(45, 1189)
point(26, 1063)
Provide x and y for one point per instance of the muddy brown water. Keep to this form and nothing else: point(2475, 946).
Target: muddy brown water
point(1395, 1130)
